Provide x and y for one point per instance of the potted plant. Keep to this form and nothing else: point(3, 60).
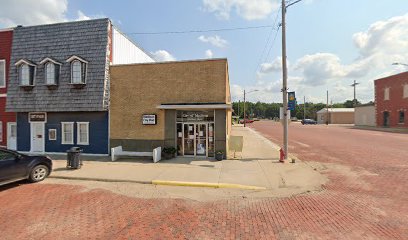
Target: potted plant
point(169, 152)
point(219, 155)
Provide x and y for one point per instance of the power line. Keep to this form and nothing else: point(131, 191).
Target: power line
point(201, 31)
point(267, 42)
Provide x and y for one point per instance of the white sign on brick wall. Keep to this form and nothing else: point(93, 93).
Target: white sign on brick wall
point(149, 119)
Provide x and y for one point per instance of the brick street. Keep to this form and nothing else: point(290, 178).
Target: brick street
point(365, 199)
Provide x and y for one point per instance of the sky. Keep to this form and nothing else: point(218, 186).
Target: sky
point(330, 43)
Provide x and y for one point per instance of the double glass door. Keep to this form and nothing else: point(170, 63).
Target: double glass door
point(195, 139)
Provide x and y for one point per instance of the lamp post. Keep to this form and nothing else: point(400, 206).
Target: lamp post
point(285, 77)
point(245, 104)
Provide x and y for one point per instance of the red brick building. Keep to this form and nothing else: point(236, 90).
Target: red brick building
point(391, 101)
point(8, 129)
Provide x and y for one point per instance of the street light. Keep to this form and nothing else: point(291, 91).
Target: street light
point(245, 103)
point(403, 64)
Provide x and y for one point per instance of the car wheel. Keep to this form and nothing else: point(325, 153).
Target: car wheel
point(38, 173)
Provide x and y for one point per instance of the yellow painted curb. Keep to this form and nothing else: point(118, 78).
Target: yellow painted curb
point(206, 184)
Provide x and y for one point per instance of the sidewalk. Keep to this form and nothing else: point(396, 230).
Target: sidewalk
point(256, 168)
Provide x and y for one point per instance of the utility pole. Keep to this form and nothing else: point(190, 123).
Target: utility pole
point(354, 85)
point(244, 110)
point(285, 78)
point(304, 107)
point(239, 115)
point(327, 108)
point(284, 82)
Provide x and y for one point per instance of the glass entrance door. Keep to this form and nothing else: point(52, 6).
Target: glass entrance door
point(189, 139)
point(195, 139)
point(201, 139)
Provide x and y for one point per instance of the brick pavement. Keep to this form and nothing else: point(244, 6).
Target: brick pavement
point(364, 199)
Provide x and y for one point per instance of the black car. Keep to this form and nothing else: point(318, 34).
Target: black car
point(308, 121)
point(15, 166)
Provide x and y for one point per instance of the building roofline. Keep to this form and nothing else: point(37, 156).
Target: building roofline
point(398, 74)
point(132, 41)
point(60, 23)
point(6, 29)
point(169, 62)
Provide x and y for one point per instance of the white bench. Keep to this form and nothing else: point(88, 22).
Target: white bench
point(117, 152)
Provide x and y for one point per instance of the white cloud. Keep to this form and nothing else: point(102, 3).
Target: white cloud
point(27, 12)
point(214, 40)
point(249, 10)
point(209, 54)
point(163, 56)
point(274, 66)
point(82, 16)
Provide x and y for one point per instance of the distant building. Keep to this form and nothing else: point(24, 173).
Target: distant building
point(364, 115)
point(336, 116)
point(391, 99)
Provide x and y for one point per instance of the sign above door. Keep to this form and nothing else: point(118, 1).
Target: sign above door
point(37, 117)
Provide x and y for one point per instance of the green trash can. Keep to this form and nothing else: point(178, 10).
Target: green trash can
point(74, 160)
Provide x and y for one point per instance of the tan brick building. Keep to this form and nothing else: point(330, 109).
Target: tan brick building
point(336, 116)
point(185, 104)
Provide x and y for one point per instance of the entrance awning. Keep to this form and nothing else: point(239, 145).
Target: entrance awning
point(195, 106)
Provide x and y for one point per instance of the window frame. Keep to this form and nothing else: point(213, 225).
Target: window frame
point(47, 65)
point(4, 73)
point(63, 140)
point(49, 134)
point(84, 69)
point(79, 133)
point(386, 94)
point(31, 73)
point(401, 116)
point(405, 91)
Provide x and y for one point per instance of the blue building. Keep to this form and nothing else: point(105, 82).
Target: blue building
point(59, 84)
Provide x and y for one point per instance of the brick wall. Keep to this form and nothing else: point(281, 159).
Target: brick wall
point(396, 101)
point(138, 89)
point(6, 38)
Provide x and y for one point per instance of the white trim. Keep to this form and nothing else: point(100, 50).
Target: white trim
point(4, 73)
point(48, 64)
point(31, 136)
point(192, 106)
point(73, 57)
point(62, 133)
point(83, 81)
point(21, 61)
point(3, 94)
point(47, 59)
point(9, 133)
point(79, 134)
point(64, 153)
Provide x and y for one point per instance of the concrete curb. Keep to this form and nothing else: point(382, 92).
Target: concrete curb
point(101, 179)
point(206, 184)
point(167, 183)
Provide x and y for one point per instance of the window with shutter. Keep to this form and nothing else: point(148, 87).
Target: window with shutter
point(2, 73)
